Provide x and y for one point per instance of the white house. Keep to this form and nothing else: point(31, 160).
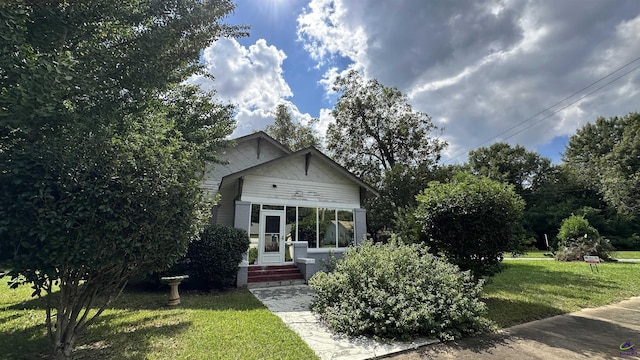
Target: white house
point(287, 200)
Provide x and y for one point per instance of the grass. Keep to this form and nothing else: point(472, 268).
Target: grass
point(626, 254)
point(231, 325)
point(529, 289)
point(547, 254)
point(235, 325)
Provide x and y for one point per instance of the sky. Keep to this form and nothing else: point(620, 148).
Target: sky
point(523, 72)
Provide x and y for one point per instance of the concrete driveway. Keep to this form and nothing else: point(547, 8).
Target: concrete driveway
point(597, 333)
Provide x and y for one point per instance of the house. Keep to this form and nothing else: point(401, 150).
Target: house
point(340, 232)
point(292, 204)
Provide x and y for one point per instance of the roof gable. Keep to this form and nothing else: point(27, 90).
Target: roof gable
point(309, 155)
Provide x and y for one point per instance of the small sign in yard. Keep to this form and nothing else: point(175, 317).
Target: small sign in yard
point(592, 261)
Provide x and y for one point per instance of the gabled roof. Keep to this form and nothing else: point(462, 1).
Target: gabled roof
point(263, 135)
point(311, 152)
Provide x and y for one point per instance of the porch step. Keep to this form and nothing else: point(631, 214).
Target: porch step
point(257, 285)
point(273, 274)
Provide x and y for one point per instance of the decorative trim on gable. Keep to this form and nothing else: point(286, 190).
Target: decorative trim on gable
point(260, 136)
point(259, 141)
point(307, 152)
point(307, 162)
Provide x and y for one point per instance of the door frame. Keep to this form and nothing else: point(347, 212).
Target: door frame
point(271, 258)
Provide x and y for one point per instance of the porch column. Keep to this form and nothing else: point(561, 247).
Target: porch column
point(360, 225)
point(241, 220)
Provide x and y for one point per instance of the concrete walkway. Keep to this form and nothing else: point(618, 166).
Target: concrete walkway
point(291, 304)
point(596, 333)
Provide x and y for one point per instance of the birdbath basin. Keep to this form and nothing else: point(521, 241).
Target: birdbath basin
point(173, 282)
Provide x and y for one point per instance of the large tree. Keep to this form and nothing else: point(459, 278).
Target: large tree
point(607, 153)
point(376, 129)
point(293, 135)
point(511, 165)
point(102, 147)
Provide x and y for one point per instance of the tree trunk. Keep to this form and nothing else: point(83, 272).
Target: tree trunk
point(61, 351)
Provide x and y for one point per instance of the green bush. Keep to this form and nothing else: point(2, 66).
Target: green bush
point(472, 221)
point(253, 255)
point(577, 238)
point(574, 229)
point(212, 259)
point(398, 291)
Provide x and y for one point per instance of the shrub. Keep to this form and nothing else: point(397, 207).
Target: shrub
point(577, 238)
point(398, 291)
point(574, 229)
point(212, 259)
point(472, 221)
point(253, 255)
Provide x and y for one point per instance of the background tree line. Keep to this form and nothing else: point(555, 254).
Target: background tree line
point(378, 136)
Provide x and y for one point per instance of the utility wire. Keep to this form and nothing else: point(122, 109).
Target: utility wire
point(554, 105)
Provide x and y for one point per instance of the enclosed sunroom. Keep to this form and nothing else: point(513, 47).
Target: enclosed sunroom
point(294, 205)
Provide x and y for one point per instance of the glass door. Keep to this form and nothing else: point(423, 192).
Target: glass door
point(272, 237)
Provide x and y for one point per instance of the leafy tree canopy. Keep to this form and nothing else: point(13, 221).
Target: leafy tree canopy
point(102, 145)
point(608, 153)
point(289, 133)
point(512, 165)
point(376, 128)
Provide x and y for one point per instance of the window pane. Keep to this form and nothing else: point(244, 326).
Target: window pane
point(345, 228)
point(254, 232)
point(290, 232)
point(327, 219)
point(307, 226)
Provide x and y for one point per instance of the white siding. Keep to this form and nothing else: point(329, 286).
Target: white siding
point(301, 193)
point(323, 185)
point(225, 206)
point(293, 168)
point(240, 157)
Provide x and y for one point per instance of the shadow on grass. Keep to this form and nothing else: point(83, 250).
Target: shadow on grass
point(156, 300)
point(109, 338)
point(508, 312)
point(23, 343)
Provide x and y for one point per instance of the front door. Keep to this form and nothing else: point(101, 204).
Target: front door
point(272, 237)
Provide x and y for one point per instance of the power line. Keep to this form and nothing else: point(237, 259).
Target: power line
point(554, 105)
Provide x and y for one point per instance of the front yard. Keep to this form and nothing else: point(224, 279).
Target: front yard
point(234, 325)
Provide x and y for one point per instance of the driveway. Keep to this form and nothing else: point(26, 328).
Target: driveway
point(597, 333)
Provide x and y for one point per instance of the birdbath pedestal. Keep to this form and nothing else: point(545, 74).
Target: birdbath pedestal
point(173, 282)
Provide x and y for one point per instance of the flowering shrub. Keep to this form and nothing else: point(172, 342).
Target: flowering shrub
point(398, 291)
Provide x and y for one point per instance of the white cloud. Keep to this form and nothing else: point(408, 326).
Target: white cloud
point(252, 78)
point(325, 30)
point(485, 66)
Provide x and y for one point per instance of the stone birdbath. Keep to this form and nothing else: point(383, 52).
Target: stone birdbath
point(173, 282)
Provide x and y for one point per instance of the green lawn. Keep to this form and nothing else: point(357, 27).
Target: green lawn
point(626, 254)
point(543, 254)
point(235, 325)
point(232, 325)
point(531, 289)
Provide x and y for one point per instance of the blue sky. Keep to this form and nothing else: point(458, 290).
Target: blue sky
point(480, 69)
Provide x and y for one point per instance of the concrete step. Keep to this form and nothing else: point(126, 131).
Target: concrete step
point(260, 274)
point(275, 283)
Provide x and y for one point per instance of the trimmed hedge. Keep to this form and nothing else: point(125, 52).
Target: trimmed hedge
point(212, 259)
point(398, 291)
